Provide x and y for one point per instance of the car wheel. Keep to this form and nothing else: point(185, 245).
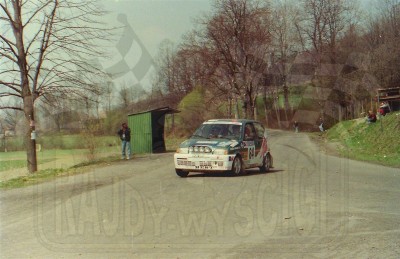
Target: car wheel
point(237, 166)
point(181, 173)
point(266, 164)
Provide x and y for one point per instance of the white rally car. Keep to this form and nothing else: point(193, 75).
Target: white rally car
point(224, 145)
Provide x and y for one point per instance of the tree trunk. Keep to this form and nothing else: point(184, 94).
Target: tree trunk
point(250, 112)
point(236, 109)
point(266, 110)
point(245, 107)
point(286, 102)
point(229, 108)
point(30, 136)
point(278, 115)
point(31, 152)
point(26, 92)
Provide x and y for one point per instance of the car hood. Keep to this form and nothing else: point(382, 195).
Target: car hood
point(213, 143)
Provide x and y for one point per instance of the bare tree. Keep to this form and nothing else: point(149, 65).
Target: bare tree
point(164, 78)
point(340, 16)
point(12, 116)
point(227, 55)
point(315, 24)
point(238, 37)
point(383, 37)
point(46, 47)
point(125, 95)
point(325, 22)
point(285, 41)
point(108, 90)
point(389, 15)
point(57, 113)
point(182, 68)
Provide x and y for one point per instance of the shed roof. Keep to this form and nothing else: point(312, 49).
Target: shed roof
point(393, 94)
point(166, 110)
point(388, 89)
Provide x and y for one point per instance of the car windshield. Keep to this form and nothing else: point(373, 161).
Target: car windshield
point(214, 130)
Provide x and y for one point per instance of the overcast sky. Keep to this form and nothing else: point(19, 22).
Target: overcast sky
point(156, 20)
point(149, 22)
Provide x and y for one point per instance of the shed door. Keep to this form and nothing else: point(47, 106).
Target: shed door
point(141, 133)
point(158, 121)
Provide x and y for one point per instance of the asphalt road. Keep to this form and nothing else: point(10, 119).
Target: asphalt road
point(310, 205)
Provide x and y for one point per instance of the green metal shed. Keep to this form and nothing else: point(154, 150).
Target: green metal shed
point(147, 130)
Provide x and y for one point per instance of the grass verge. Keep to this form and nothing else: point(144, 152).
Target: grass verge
point(15, 160)
point(376, 142)
point(48, 174)
point(12, 164)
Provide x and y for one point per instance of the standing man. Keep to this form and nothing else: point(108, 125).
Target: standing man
point(296, 126)
point(125, 136)
point(321, 125)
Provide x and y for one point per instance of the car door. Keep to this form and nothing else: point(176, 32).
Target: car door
point(248, 145)
point(260, 143)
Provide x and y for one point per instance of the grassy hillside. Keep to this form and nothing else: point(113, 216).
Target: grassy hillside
point(376, 142)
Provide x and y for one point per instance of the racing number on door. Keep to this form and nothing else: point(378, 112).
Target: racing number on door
point(252, 152)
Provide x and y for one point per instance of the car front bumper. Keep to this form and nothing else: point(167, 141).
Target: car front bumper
point(203, 162)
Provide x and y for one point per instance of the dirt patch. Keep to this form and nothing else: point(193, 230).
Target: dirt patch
point(328, 147)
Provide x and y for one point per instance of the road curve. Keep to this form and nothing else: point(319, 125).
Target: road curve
point(309, 205)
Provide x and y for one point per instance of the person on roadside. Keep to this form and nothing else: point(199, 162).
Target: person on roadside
point(321, 125)
point(125, 136)
point(296, 126)
point(383, 109)
point(371, 118)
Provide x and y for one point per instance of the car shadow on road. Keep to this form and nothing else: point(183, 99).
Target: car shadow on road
point(227, 174)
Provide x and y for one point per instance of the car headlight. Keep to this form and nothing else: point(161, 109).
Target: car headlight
point(220, 152)
point(182, 150)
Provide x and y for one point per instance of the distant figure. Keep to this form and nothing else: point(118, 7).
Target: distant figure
point(371, 117)
point(296, 126)
point(383, 109)
point(125, 136)
point(321, 125)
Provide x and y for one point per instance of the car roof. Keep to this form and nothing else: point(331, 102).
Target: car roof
point(233, 121)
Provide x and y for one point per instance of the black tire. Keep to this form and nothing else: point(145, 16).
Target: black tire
point(237, 166)
point(181, 173)
point(266, 164)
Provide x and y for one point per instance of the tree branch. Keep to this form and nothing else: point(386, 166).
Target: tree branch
point(11, 86)
point(36, 12)
point(11, 107)
point(7, 13)
point(10, 45)
point(9, 94)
